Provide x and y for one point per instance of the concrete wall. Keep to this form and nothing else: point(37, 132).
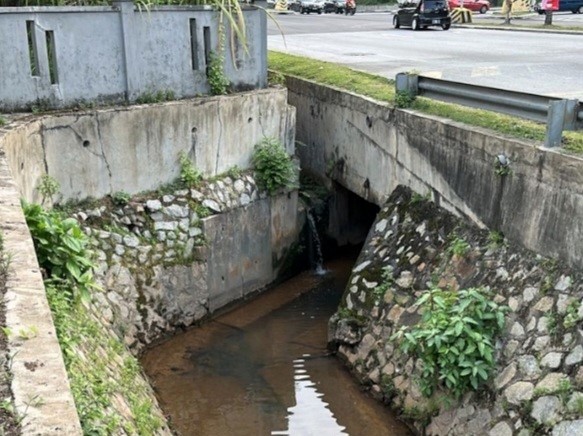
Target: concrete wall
point(108, 54)
point(36, 363)
point(370, 149)
point(135, 149)
point(156, 267)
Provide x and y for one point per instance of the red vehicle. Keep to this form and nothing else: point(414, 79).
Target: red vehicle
point(481, 6)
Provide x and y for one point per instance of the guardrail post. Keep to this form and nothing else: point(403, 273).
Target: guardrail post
point(561, 116)
point(409, 83)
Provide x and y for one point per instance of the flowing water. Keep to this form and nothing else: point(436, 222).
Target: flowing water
point(263, 369)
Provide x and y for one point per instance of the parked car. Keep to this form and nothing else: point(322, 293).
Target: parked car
point(575, 6)
point(422, 14)
point(334, 6)
point(481, 6)
point(307, 6)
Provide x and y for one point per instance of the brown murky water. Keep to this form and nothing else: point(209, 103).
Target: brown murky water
point(263, 369)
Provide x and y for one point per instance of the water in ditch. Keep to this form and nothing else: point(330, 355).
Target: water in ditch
point(263, 369)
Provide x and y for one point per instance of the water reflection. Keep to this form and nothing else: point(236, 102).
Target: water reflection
point(263, 369)
point(310, 411)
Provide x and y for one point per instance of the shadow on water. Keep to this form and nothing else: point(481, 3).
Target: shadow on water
point(263, 369)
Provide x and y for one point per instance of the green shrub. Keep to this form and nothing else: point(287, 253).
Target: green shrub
point(454, 339)
point(274, 167)
point(189, 175)
point(61, 248)
point(458, 247)
point(48, 187)
point(404, 99)
point(120, 198)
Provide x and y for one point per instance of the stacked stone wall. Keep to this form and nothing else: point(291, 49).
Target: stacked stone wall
point(537, 386)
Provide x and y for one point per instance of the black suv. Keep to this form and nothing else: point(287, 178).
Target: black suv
point(422, 14)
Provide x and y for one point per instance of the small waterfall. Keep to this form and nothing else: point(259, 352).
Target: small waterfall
point(315, 246)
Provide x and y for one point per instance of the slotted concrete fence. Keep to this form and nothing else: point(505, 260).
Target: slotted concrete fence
point(54, 57)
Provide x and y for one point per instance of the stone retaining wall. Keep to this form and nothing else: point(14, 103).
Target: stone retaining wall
point(537, 387)
point(167, 261)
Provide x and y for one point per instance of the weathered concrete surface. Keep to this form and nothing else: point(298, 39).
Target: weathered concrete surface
point(135, 149)
point(371, 148)
point(105, 54)
point(40, 384)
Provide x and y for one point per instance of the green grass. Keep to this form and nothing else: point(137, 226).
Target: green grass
point(327, 73)
point(382, 89)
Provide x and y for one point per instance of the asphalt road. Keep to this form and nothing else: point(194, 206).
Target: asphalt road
point(535, 62)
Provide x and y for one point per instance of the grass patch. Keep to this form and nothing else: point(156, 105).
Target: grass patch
point(382, 89)
point(328, 73)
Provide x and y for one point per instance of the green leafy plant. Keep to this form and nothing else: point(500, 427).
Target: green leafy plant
point(458, 247)
point(454, 339)
point(189, 175)
point(61, 248)
point(275, 78)
point(234, 172)
point(553, 323)
point(274, 167)
point(202, 211)
point(572, 316)
point(496, 240)
point(386, 282)
point(417, 198)
point(120, 198)
point(503, 170)
point(404, 99)
point(28, 332)
point(218, 82)
point(3, 121)
point(48, 187)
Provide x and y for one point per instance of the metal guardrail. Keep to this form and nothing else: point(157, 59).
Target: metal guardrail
point(558, 114)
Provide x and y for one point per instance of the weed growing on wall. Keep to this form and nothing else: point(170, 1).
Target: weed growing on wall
point(496, 240)
point(274, 167)
point(48, 187)
point(61, 249)
point(3, 121)
point(156, 97)
point(386, 282)
point(215, 73)
point(458, 247)
point(120, 198)
point(189, 175)
point(454, 339)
